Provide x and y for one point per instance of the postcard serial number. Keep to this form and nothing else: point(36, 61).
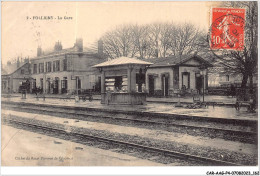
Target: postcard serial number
point(49, 18)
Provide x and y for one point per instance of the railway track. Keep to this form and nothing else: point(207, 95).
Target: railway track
point(116, 145)
point(244, 135)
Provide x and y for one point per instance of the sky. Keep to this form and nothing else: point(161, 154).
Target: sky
point(23, 31)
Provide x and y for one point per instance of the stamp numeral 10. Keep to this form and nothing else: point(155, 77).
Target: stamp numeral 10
point(216, 40)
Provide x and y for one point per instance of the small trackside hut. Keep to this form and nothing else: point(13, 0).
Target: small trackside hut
point(123, 81)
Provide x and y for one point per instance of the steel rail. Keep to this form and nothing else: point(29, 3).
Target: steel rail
point(237, 121)
point(179, 155)
point(236, 133)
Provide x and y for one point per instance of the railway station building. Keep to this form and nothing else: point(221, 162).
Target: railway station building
point(168, 76)
point(66, 70)
point(160, 77)
point(13, 75)
point(71, 70)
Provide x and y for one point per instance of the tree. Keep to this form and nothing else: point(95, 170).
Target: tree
point(152, 40)
point(142, 41)
point(184, 39)
point(243, 62)
point(119, 42)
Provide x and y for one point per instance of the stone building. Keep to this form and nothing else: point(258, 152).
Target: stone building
point(14, 74)
point(167, 76)
point(66, 70)
point(220, 77)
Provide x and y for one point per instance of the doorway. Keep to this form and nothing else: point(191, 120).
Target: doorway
point(151, 85)
point(64, 85)
point(78, 85)
point(199, 82)
point(186, 80)
point(48, 85)
point(56, 86)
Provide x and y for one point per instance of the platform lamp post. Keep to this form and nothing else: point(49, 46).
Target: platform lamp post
point(203, 72)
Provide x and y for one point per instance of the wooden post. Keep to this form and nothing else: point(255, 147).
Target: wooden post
point(129, 79)
point(103, 77)
point(133, 80)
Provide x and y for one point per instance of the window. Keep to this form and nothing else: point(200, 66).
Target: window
point(64, 83)
point(33, 83)
point(22, 71)
point(34, 68)
point(41, 67)
point(227, 77)
point(117, 83)
point(56, 65)
point(48, 66)
point(65, 65)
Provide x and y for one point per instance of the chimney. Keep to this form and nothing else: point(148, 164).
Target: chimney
point(26, 60)
point(18, 62)
point(79, 44)
point(100, 48)
point(39, 51)
point(58, 46)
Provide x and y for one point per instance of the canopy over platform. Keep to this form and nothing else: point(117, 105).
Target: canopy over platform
point(122, 61)
point(122, 81)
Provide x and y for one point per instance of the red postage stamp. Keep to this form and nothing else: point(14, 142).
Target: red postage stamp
point(227, 30)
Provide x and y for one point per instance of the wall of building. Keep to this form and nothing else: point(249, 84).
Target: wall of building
point(84, 62)
point(217, 80)
point(78, 65)
point(14, 80)
point(5, 83)
point(158, 79)
point(192, 71)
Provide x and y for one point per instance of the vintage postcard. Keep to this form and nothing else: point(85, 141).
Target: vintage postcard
point(130, 83)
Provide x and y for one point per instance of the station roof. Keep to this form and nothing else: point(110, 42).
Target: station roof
point(123, 61)
point(177, 60)
point(10, 69)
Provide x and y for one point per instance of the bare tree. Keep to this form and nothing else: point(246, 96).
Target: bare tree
point(152, 40)
point(142, 41)
point(165, 39)
point(155, 30)
point(184, 39)
point(243, 62)
point(119, 42)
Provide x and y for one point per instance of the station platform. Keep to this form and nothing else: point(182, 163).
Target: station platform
point(221, 112)
point(216, 99)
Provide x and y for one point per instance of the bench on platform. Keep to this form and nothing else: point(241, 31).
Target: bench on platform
point(196, 98)
point(251, 105)
point(246, 98)
point(7, 96)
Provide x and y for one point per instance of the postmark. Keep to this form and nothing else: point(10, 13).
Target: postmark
point(227, 30)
